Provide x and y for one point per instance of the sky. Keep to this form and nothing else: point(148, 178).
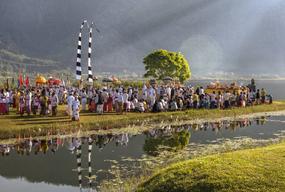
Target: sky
point(241, 36)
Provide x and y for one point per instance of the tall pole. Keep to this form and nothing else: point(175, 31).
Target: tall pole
point(90, 75)
point(79, 52)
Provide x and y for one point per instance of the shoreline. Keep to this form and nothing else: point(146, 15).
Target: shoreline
point(134, 124)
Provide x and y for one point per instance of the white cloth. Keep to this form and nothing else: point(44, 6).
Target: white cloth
point(75, 109)
point(54, 101)
point(125, 97)
point(69, 101)
point(84, 102)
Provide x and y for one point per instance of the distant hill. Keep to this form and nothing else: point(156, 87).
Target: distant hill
point(11, 62)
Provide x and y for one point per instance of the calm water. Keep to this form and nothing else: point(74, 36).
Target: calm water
point(51, 165)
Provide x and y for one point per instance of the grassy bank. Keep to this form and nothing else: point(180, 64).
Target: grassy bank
point(12, 125)
point(260, 169)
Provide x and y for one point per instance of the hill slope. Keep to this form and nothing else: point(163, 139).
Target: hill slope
point(255, 170)
point(11, 62)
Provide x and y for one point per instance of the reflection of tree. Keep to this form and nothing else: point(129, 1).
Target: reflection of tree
point(261, 120)
point(176, 141)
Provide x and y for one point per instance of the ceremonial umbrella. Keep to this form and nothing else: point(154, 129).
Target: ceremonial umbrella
point(40, 80)
point(107, 80)
point(167, 79)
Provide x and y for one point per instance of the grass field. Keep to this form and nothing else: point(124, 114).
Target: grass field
point(12, 125)
point(253, 170)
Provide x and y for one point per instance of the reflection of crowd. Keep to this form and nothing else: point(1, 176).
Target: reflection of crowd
point(214, 126)
point(36, 146)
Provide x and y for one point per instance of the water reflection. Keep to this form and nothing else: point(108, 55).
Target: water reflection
point(81, 161)
point(169, 136)
point(165, 139)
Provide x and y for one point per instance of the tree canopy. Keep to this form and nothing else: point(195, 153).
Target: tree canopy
point(162, 63)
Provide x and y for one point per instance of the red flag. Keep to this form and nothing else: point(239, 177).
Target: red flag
point(27, 82)
point(7, 83)
point(20, 80)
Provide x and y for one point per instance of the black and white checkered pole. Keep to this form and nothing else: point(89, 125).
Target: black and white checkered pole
point(89, 160)
point(79, 169)
point(79, 50)
point(90, 75)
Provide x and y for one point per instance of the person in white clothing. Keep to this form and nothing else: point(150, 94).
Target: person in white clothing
point(152, 96)
point(28, 102)
point(75, 108)
point(125, 100)
point(84, 101)
point(54, 104)
point(69, 101)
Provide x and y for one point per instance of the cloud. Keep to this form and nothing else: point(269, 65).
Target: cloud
point(204, 53)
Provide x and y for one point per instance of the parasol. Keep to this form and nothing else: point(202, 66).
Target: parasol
point(40, 80)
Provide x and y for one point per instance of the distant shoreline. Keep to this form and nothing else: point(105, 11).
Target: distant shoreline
point(237, 79)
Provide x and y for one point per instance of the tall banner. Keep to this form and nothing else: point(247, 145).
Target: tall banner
point(27, 81)
point(79, 53)
point(20, 79)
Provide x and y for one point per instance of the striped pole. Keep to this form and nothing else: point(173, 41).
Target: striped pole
point(79, 47)
point(90, 76)
point(89, 161)
point(79, 169)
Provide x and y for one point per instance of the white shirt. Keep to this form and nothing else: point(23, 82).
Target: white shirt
point(120, 97)
point(227, 96)
point(125, 97)
point(70, 100)
point(75, 105)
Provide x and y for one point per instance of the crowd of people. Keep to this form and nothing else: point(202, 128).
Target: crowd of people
point(150, 98)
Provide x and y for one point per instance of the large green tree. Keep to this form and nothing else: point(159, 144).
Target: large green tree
point(162, 63)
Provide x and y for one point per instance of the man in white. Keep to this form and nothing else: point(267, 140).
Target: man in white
point(213, 100)
point(69, 101)
point(201, 91)
point(120, 103)
point(75, 108)
point(105, 96)
point(168, 92)
point(54, 103)
point(84, 100)
point(28, 102)
point(144, 93)
point(130, 92)
point(227, 97)
point(152, 96)
point(125, 100)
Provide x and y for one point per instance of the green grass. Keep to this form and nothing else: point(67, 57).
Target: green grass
point(12, 125)
point(252, 170)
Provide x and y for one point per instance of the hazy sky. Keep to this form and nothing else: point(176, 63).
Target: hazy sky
point(245, 36)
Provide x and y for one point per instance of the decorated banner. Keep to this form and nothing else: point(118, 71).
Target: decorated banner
point(79, 53)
